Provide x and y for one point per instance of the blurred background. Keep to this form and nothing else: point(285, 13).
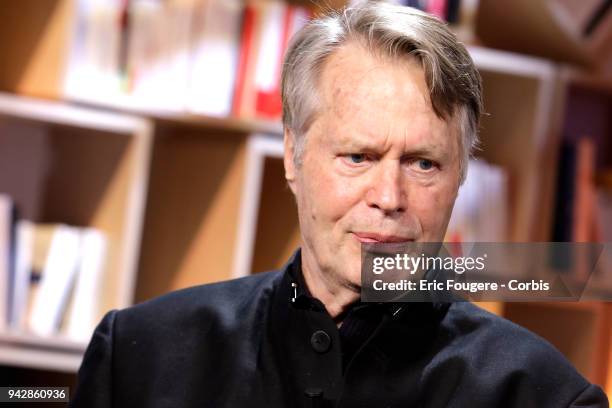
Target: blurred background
point(141, 145)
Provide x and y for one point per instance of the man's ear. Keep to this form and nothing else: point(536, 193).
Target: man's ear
point(288, 158)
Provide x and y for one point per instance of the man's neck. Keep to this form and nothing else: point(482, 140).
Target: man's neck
point(335, 296)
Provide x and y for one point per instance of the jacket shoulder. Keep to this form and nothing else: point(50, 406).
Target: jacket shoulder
point(227, 303)
point(498, 336)
point(503, 352)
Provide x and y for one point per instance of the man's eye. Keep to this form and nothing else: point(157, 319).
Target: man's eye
point(425, 164)
point(357, 158)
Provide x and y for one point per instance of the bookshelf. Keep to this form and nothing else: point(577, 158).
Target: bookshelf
point(268, 229)
point(519, 90)
point(582, 331)
point(79, 166)
point(192, 209)
point(191, 199)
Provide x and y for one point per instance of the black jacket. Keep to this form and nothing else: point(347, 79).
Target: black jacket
point(257, 342)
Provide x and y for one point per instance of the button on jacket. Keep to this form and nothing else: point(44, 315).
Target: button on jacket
point(263, 341)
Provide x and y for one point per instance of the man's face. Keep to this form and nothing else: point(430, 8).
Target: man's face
point(378, 164)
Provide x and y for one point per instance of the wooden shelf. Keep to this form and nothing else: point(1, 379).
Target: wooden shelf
point(47, 353)
point(511, 63)
point(228, 124)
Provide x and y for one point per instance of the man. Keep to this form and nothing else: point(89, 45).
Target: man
point(381, 111)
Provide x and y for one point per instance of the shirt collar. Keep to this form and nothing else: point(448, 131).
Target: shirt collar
point(299, 296)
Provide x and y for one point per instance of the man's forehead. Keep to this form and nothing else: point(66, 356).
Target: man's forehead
point(410, 142)
point(371, 103)
point(353, 75)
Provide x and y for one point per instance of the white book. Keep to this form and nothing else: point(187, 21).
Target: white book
point(215, 44)
point(159, 54)
point(56, 281)
point(92, 72)
point(24, 245)
point(173, 90)
point(85, 309)
point(6, 227)
point(270, 50)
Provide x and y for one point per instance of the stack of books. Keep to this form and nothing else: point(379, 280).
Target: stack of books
point(51, 276)
point(210, 57)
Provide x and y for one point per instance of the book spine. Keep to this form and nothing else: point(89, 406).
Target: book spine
point(215, 46)
point(84, 310)
point(24, 244)
point(57, 279)
point(565, 197)
point(6, 244)
point(245, 56)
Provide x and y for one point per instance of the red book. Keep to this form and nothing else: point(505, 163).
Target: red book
point(268, 103)
point(246, 45)
point(293, 18)
point(585, 190)
point(437, 8)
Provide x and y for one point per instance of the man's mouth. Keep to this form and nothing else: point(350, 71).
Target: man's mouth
point(374, 237)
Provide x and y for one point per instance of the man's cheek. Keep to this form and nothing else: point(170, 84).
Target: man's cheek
point(433, 211)
point(336, 199)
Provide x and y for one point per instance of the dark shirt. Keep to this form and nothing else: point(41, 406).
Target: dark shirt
point(359, 322)
point(245, 343)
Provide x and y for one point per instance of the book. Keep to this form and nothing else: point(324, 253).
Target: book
point(453, 11)
point(209, 57)
point(158, 54)
point(563, 221)
point(244, 52)
point(243, 103)
point(214, 52)
point(93, 71)
point(273, 25)
point(85, 309)
point(584, 196)
point(23, 276)
point(7, 223)
point(280, 25)
point(48, 298)
point(266, 31)
point(437, 7)
point(34, 241)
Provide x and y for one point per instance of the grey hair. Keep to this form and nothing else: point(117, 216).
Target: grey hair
point(454, 84)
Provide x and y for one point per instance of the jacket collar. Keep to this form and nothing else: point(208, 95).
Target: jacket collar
point(293, 293)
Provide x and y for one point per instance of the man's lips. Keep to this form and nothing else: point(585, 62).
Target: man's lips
point(377, 237)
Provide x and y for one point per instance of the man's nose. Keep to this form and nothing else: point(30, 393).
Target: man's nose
point(386, 191)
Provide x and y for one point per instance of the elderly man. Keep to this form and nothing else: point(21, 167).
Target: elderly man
point(381, 111)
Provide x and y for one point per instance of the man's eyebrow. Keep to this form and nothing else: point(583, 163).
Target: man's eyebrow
point(423, 151)
point(358, 145)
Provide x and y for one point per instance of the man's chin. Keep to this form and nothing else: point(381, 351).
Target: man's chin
point(354, 283)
